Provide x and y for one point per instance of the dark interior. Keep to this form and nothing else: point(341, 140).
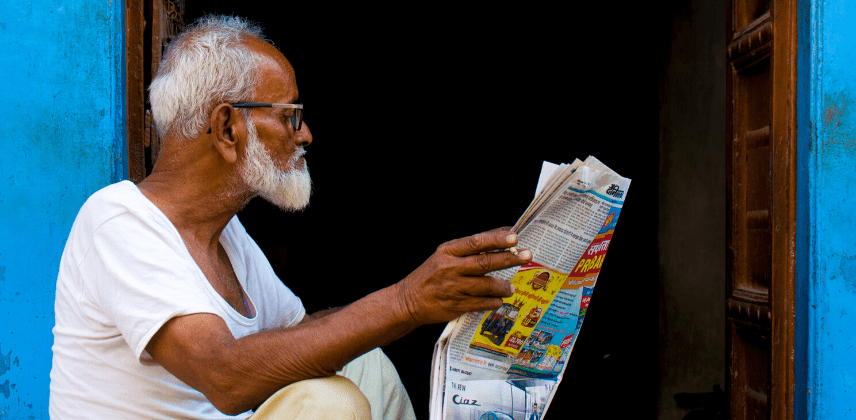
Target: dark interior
point(430, 123)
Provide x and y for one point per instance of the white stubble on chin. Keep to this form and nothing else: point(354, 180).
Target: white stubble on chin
point(288, 190)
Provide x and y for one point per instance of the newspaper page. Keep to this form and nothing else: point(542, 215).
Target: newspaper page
point(506, 364)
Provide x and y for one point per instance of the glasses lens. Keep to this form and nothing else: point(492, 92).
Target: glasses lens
point(297, 119)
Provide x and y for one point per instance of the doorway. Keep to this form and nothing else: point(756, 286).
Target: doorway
point(435, 128)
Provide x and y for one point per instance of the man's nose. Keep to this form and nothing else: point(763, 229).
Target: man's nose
point(303, 137)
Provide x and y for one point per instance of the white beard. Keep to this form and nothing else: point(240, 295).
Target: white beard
point(289, 190)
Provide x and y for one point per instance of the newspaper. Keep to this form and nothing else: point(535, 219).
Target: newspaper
point(506, 364)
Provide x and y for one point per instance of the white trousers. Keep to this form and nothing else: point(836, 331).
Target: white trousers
point(368, 388)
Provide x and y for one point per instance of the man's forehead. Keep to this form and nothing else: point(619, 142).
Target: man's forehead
point(276, 76)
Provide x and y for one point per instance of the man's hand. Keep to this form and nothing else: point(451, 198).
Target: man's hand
point(453, 280)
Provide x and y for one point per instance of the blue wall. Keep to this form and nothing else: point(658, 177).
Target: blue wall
point(826, 234)
point(63, 138)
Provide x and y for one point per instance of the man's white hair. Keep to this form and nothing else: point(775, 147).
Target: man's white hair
point(208, 64)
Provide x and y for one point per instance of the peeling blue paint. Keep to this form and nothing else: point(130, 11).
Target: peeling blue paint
point(56, 52)
point(826, 224)
point(837, 120)
point(5, 362)
point(847, 270)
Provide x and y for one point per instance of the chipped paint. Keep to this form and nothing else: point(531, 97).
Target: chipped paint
point(838, 135)
point(68, 125)
point(826, 195)
point(5, 361)
point(5, 389)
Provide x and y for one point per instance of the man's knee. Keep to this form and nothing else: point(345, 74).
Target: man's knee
point(335, 397)
point(378, 379)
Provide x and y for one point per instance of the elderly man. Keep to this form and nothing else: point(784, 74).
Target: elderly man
point(166, 308)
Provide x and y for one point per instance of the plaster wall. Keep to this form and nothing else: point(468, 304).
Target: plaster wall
point(691, 236)
point(63, 137)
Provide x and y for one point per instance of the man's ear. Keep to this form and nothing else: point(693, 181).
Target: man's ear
point(227, 128)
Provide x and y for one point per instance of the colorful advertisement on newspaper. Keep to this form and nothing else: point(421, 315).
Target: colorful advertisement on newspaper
point(537, 326)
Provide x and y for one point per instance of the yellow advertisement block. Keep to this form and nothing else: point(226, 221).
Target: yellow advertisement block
point(504, 330)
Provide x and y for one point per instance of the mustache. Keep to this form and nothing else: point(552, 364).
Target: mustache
point(298, 153)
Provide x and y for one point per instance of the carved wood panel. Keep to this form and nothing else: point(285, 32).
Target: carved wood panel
point(150, 26)
point(761, 91)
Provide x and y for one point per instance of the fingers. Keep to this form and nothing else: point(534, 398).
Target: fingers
point(486, 286)
point(482, 242)
point(482, 264)
point(453, 280)
point(483, 293)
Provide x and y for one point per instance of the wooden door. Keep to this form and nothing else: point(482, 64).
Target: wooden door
point(149, 27)
point(761, 150)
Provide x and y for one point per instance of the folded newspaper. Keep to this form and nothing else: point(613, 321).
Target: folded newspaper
point(507, 363)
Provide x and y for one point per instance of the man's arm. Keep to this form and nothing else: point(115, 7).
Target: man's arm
point(236, 375)
point(324, 312)
point(320, 314)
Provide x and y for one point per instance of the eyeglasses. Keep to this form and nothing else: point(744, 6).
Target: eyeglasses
point(296, 117)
